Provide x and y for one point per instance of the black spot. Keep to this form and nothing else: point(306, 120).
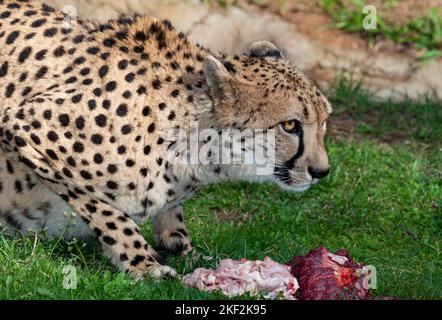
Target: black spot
point(112, 168)
point(137, 244)
point(98, 232)
point(47, 8)
point(122, 110)
point(30, 13)
point(79, 60)
point(92, 104)
point(71, 80)
point(109, 42)
point(130, 163)
point(24, 54)
point(126, 129)
point(4, 69)
point(59, 101)
point(85, 174)
point(156, 84)
point(64, 119)
point(97, 92)
point(12, 37)
point(123, 257)
point(109, 240)
point(68, 69)
point(102, 72)
point(124, 49)
point(137, 260)
point(41, 55)
point(98, 158)
point(35, 139)
point(60, 51)
point(143, 172)
point(127, 94)
point(111, 226)
point(130, 77)
point(140, 36)
point(20, 142)
point(93, 50)
point(106, 104)
point(146, 111)
point(78, 147)
point(67, 173)
point(36, 124)
point(97, 138)
point(107, 213)
point(52, 136)
point(38, 23)
point(10, 90)
point(50, 32)
point(26, 91)
point(112, 185)
point(5, 14)
point(47, 114)
point(101, 120)
point(104, 55)
point(77, 98)
point(111, 86)
point(141, 90)
point(123, 64)
point(171, 116)
point(51, 154)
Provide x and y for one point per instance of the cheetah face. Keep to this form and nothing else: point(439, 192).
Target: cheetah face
point(302, 159)
point(262, 90)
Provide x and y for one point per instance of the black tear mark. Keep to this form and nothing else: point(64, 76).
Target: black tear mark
point(282, 172)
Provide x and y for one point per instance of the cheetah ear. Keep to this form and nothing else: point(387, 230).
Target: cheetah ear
point(217, 77)
point(264, 49)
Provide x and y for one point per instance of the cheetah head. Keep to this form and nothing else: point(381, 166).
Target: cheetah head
point(262, 90)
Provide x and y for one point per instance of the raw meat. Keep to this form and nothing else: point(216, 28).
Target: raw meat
point(238, 277)
point(323, 275)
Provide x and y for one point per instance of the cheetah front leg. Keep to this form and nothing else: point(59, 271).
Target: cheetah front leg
point(169, 232)
point(120, 238)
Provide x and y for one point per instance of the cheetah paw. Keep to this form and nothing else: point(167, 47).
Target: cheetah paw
point(158, 271)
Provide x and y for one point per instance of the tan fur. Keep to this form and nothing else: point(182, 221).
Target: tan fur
point(85, 118)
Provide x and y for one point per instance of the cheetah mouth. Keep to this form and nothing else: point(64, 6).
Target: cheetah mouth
point(301, 187)
point(286, 181)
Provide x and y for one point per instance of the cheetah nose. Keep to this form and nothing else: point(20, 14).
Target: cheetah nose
point(317, 173)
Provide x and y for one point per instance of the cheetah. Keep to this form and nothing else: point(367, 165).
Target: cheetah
point(86, 115)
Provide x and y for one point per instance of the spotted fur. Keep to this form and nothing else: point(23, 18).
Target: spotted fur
point(85, 116)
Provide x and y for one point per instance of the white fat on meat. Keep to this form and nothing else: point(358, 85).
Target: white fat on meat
point(238, 277)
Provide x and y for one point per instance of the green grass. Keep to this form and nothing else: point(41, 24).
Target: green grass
point(422, 32)
point(419, 120)
point(381, 202)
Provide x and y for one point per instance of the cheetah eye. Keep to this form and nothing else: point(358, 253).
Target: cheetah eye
point(291, 126)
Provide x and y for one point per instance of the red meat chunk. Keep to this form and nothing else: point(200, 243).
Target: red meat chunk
point(323, 275)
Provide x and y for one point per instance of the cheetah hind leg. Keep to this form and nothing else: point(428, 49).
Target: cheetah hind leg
point(169, 233)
